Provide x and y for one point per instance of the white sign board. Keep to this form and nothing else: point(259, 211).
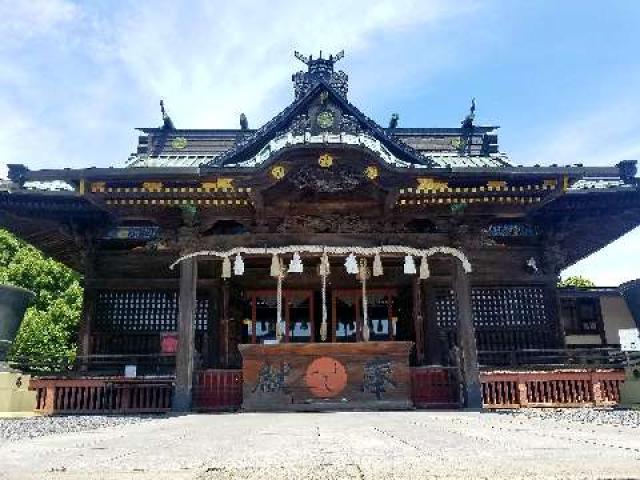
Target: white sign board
point(629, 339)
point(130, 371)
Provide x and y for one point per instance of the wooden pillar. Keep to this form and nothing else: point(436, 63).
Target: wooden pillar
point(224, 323)
point(552, 300)
point(433, 341)
point(358, 320)
point(467, 340)
point(212, 333)
point(184, 355)
point(88, 311)
point(418, 320)
point(86, 327)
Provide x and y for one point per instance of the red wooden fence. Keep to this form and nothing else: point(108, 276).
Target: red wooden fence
point(101, 395)
point(551, 388)
point(217, 390)
point(434, 387)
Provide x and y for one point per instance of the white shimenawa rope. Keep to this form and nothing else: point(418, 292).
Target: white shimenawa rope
point(323, 325)
point(276, 252)
point(365, 313)
point(280, 330)
point(335, 251)
point(325, 270)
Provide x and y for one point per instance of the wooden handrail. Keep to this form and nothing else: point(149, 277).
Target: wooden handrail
point(102, 395)
point(577, 387)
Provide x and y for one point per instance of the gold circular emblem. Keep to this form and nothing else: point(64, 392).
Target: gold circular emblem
point(456, 142)
point(325, 119)
point(179, 143)
point(277, 172)
point(371, 172)
point(325, 160)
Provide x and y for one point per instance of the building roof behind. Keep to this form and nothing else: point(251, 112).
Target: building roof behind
point(188, 147)
point(469, 145)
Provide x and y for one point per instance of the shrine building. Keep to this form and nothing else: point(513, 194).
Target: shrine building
point(323, 262)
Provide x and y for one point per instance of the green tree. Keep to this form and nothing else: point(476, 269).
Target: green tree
point(47, 338)
point(576, 282)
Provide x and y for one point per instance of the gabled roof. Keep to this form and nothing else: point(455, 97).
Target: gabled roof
point(401, 147)
point(254, 143)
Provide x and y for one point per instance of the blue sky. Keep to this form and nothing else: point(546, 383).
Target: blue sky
point(560, 77)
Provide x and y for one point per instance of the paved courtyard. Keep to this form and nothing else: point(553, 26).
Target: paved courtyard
point(359, 445)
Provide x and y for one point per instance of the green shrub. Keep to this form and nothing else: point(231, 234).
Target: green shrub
point(576, 282)
point(48, 335)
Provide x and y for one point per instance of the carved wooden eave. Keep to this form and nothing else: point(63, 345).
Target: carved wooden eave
point(62, 226)
point(581, 223)
point(310, 191)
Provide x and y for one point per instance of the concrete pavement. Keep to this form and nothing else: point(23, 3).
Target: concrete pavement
point(359, 445)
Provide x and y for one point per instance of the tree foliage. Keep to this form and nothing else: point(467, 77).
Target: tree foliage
point(47, 338)
point(576, 282)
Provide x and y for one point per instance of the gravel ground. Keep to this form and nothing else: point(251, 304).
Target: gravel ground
point(514, 445)
point(13, 429)
point(592, 416)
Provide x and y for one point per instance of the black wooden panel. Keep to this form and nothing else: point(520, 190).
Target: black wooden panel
point(143, 311)
point(505, 318)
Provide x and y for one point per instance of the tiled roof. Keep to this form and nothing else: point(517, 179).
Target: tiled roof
point(401, 147)
point(439, 160)
point(158, 141)
point(482, 161)
point(5, 185)
point(49, 186)
point(600, 183)
point(184, 160)
point(254, 143)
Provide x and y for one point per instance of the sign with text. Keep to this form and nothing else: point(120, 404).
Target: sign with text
point(629, 339)
point(169, 343)
point(130, 371)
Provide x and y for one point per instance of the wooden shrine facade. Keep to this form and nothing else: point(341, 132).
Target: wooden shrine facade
point(456, 252)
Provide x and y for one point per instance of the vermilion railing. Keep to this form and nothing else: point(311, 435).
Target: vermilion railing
point(434, 387)
point(558, 388)
point(101, 395)
point(431, 387)
point(217, 390)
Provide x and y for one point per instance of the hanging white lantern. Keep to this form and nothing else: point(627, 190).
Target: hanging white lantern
point(377, 266)
point(238, 265)
point(275, 270)
point(409, 265)
point(424, 268)
point(295, 266)
point(226, 268)
point(351, 264)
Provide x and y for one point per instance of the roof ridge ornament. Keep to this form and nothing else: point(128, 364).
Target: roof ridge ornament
point(244, 123)
point(319, 69)
point(393, 122)
point(467, 123)
point(308, 61)
point(167, 123)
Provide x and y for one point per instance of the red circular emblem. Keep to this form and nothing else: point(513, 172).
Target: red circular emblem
point(326, 377)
